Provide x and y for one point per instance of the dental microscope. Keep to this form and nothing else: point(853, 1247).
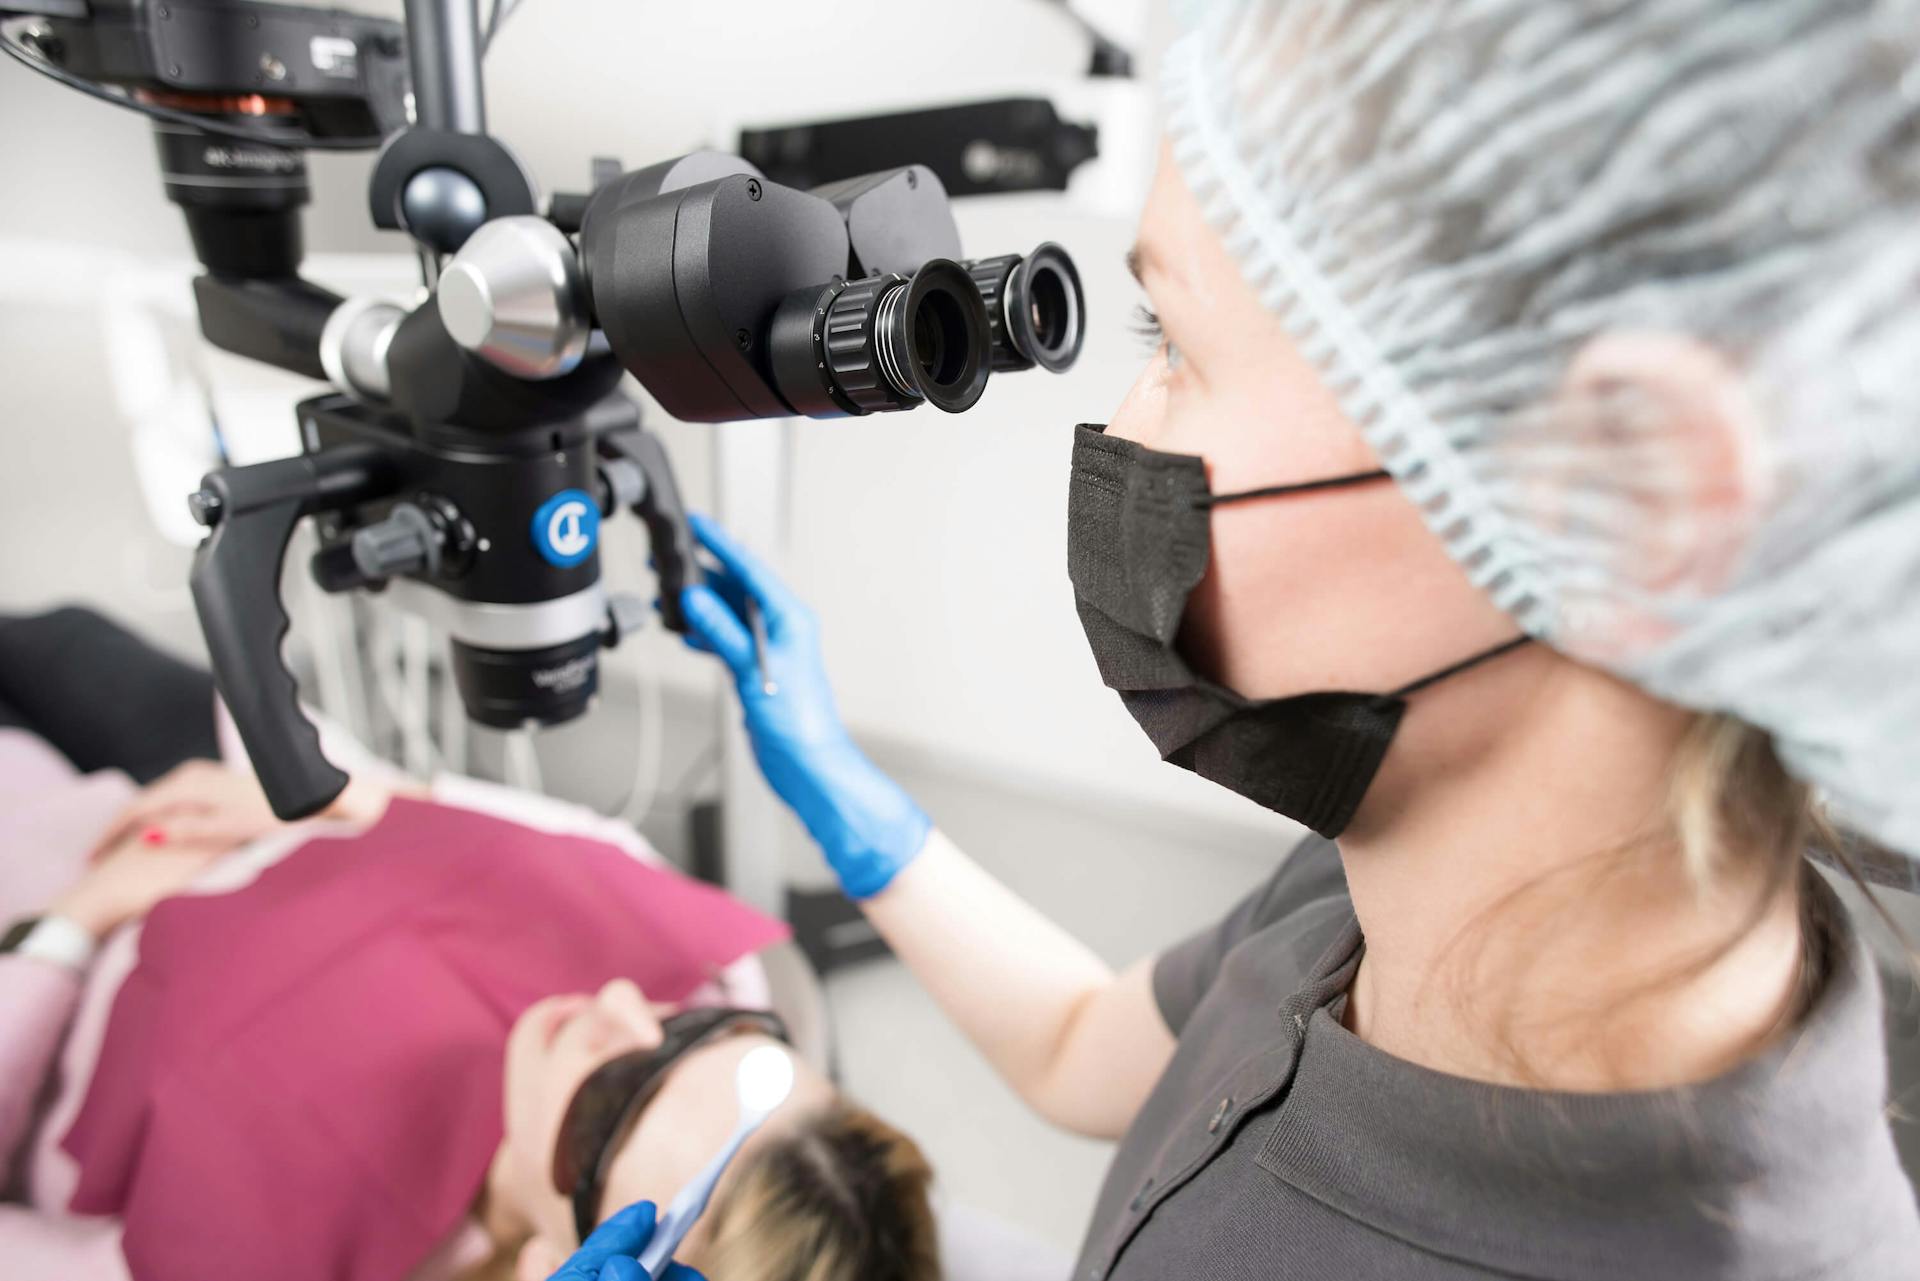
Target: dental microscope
point(467, 449)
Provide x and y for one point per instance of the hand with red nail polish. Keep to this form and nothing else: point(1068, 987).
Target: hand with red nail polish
point(133, 876)
point(199, 802)
point(175, 827)
point(207, 803)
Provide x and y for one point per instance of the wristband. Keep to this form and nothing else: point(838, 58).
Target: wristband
point(59, 941)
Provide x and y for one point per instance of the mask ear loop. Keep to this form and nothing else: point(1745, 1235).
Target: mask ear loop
point(1282, 491)
point(1484, 656)
point(1348, 482)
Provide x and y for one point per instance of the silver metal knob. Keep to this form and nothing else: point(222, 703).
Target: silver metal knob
point(514, 297)
point(353, 347)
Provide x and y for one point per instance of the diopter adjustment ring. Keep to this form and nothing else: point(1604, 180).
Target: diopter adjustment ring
point(848, 346)
point(992, 276)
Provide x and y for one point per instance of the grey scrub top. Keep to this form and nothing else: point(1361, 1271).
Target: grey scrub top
point(1278, 1145)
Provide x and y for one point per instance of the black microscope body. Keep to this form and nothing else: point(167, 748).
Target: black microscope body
point(472, 444)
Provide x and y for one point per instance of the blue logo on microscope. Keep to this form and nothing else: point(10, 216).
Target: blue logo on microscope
point(566, 528)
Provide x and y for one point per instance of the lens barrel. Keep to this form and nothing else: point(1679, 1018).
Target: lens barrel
point(507, 688)
point(242, 199)
point(882, 343)
point(1035, 306)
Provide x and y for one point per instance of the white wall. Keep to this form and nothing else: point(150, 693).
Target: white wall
point(932, 546)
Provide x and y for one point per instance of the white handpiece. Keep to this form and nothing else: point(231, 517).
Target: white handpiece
point(762, 1083)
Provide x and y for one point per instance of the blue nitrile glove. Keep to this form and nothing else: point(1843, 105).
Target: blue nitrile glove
point(867, 826)
point(612, 1253)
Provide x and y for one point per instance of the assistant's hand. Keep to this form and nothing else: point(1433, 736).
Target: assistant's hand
point(129, 878)
point(868, 827)
point(612, 1252)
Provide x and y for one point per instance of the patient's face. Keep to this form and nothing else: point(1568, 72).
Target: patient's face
point(554, 1046)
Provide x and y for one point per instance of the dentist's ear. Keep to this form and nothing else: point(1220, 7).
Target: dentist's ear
point(1689, 472)
point(539, 1259)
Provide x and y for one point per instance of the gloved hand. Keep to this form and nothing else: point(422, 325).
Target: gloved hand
point(867, 826)
point(612, 1252)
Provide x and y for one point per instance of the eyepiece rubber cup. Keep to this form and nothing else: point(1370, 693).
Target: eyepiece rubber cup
point(933, 337)
point(1035, 308)
point(1046, 310)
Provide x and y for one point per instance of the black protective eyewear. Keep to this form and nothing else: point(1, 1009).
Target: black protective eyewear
point(608, 1103)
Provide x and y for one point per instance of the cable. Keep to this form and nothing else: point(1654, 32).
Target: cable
point(206, 124)
point(453, 720)
point(649, 708)
point(502, 10)
point(416, 657)
point(687, 784)
point(1110, 58)
point(352, 629)
point(522, 762)
point(329, 663)
point(390, 641)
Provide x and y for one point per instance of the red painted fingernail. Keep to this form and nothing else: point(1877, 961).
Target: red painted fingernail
point(154, 836)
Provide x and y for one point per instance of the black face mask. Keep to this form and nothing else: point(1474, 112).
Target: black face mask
point(1138, 538)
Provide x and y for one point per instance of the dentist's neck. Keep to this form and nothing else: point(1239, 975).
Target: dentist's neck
point(1528, 919)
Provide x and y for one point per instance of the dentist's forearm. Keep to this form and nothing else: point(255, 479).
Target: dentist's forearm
point(1080, 1044)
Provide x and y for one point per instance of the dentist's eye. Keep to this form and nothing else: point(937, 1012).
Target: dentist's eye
point(1146, 324)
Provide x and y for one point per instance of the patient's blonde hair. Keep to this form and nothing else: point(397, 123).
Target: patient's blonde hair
point(842, 1197)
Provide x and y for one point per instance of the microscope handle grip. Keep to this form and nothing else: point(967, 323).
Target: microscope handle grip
point(664, 514)
point(236, 592)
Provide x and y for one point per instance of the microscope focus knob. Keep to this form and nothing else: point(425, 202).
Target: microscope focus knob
point(513, 296)
point(406, 541)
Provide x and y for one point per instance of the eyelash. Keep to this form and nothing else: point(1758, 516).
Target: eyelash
point(1146, 324)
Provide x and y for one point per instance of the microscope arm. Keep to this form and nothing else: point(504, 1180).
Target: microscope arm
point(276, 321)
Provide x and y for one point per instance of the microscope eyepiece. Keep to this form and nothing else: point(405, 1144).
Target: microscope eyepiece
point(1036, 308)
point(882, 343)
point(935, 338)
